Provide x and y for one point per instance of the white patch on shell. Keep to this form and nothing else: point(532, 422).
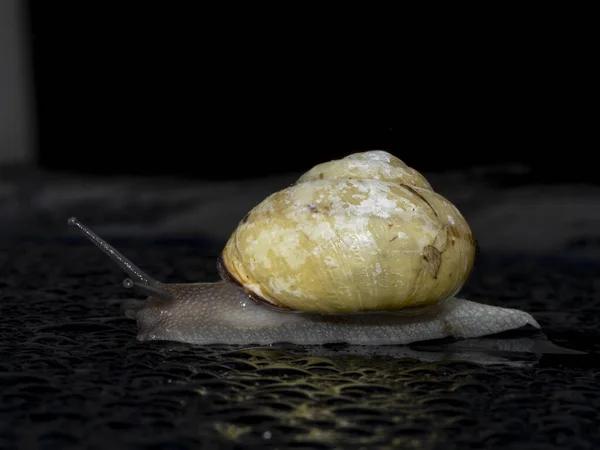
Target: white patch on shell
point(321, 231)
point(451, 219)
point(377, 155)
point(430, 231)
point(377, 203)
point(402, 235)
point(260, 253)
point(354, 231)
point(379, 206)
point(287, 285)
point(374, 169)
point(287, 244)
point(361, 186)
point(330, 262)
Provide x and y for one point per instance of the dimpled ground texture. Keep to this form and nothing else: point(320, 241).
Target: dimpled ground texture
point(72, 374)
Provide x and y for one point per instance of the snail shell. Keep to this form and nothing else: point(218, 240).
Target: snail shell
point(363, 233)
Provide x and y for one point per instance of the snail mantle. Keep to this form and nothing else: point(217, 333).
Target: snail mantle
point(359, 250)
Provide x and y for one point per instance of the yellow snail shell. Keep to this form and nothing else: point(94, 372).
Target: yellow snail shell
point(362, 233)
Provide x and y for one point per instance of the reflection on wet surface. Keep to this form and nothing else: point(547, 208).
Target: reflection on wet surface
point(511, 351)
point(72, 373)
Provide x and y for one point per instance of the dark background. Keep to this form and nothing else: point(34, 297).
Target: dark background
point(180, 89)
point(140, 88)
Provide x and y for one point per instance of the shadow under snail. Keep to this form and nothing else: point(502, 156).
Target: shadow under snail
point(359, 250)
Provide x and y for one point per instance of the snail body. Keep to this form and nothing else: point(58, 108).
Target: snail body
point(359, 250)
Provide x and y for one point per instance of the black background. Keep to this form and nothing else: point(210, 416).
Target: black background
point(179, 88)
point(176, 89)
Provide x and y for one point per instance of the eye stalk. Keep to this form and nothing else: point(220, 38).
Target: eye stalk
point(159, 292)
point(138, 280)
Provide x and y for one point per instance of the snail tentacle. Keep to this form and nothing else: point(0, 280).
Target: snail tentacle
point(138, 275)
point(157, 291)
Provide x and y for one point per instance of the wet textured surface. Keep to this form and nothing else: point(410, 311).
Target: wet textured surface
point(72, 374)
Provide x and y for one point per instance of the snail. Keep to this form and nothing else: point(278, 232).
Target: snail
point(359, 250)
